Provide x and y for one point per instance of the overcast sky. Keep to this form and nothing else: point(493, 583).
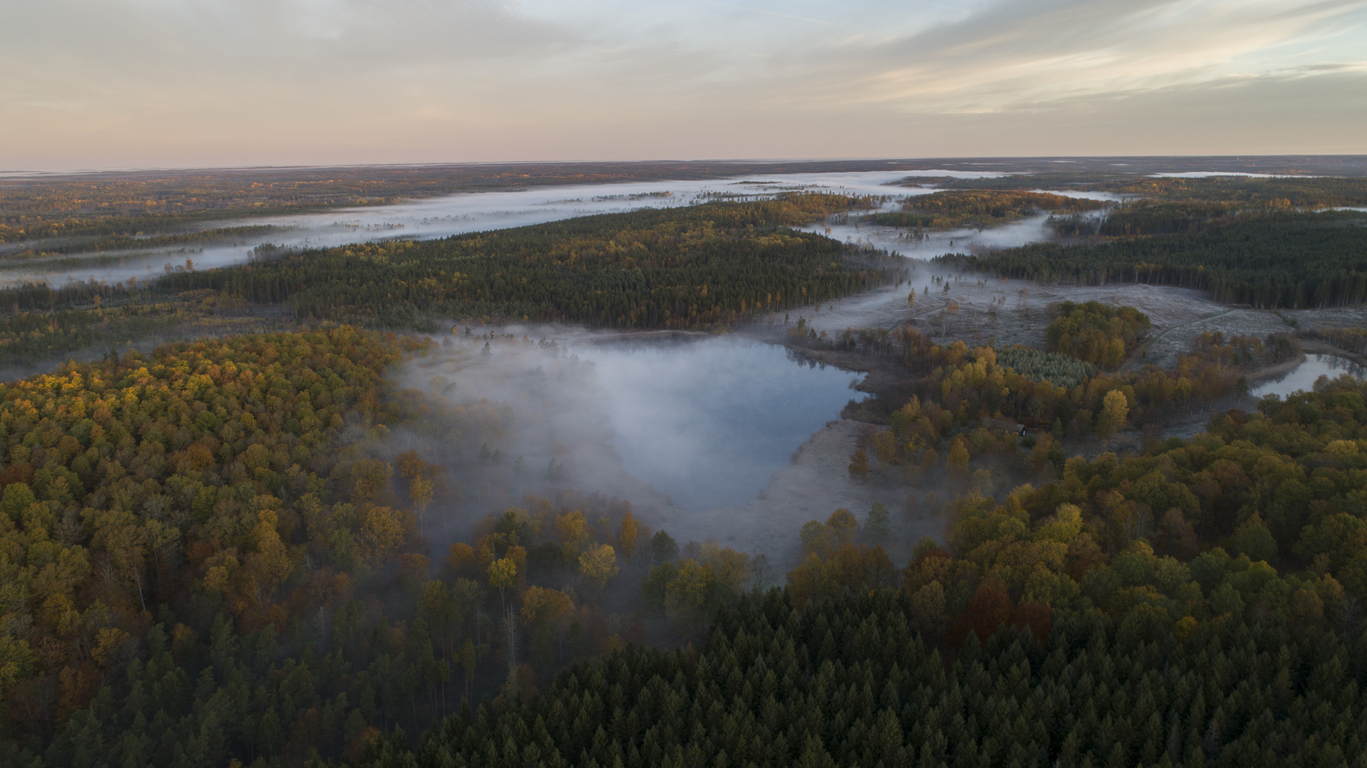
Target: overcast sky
point(195, 83)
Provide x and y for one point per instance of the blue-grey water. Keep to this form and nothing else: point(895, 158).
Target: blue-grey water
point(709, 422)
point(1302, 377)
point(705, 420)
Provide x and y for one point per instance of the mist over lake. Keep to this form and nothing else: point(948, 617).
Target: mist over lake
point(709, 422)
point(704, 420)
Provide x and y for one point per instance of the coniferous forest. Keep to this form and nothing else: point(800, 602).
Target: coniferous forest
point(670, 268)
point(1283, 260)
point(682, 268)
point(849, 681)
point(978, 208)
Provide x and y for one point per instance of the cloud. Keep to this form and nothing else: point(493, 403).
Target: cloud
point(1022, 53)
point(208, 82)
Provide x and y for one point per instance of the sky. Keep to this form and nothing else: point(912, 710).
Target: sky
point(214, 83)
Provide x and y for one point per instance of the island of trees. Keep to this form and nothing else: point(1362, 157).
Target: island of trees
point(979, 208)
point(1279, 260)
point(697, 267)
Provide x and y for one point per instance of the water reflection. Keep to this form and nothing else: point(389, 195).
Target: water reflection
point(709, 422)
point(1303, 376)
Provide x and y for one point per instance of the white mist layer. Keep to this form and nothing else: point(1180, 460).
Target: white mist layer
point(699, 421)
point(445, 216)
point(709, 422)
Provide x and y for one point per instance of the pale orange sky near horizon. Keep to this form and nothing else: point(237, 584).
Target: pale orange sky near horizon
point(215, 83)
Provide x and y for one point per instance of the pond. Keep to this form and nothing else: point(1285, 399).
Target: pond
point(709, 422)
point(704, 420)
point(1303, 376)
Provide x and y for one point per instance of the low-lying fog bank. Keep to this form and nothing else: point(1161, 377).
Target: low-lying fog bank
point(698, 432)
point(445, 216)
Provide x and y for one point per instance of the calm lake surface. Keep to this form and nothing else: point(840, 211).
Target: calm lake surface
point(705, 420)
point(709, 422)
point(1303, 376)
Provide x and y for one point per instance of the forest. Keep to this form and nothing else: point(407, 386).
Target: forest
point(130, 243)
point(1282, 260)
point(168, 203)
point(214, 553)
point(1300, 192)
point(1071, 624)
point(239, 551)
point(849, 681)
point(670, 268)
point(978, 208)
point(704, 266)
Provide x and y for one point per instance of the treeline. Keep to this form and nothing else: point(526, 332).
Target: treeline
point(102, 226)
point(1282, 260)
point(144, 202)
point(848, 681)
point(1163, 218)
point(1095, 333)
point(978, 208)
point(126, 242)
point(29, 335)
point(1250, 192)
point(1351, 339)
point(674, 268)
point(1303, 192)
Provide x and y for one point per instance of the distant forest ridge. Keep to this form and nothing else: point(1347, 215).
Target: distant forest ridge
point(686, 268)
point(1287, 260)
point(656, 268)
point(165, 202)
point(44, 206)
point(1244, 191)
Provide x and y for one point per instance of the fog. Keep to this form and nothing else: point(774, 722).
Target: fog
point(444, 216)
point(709, 422)
point(674, 423)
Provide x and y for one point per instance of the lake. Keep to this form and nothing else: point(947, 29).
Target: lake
point(705, 420)
point(709, 422)
point(1303, 376)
